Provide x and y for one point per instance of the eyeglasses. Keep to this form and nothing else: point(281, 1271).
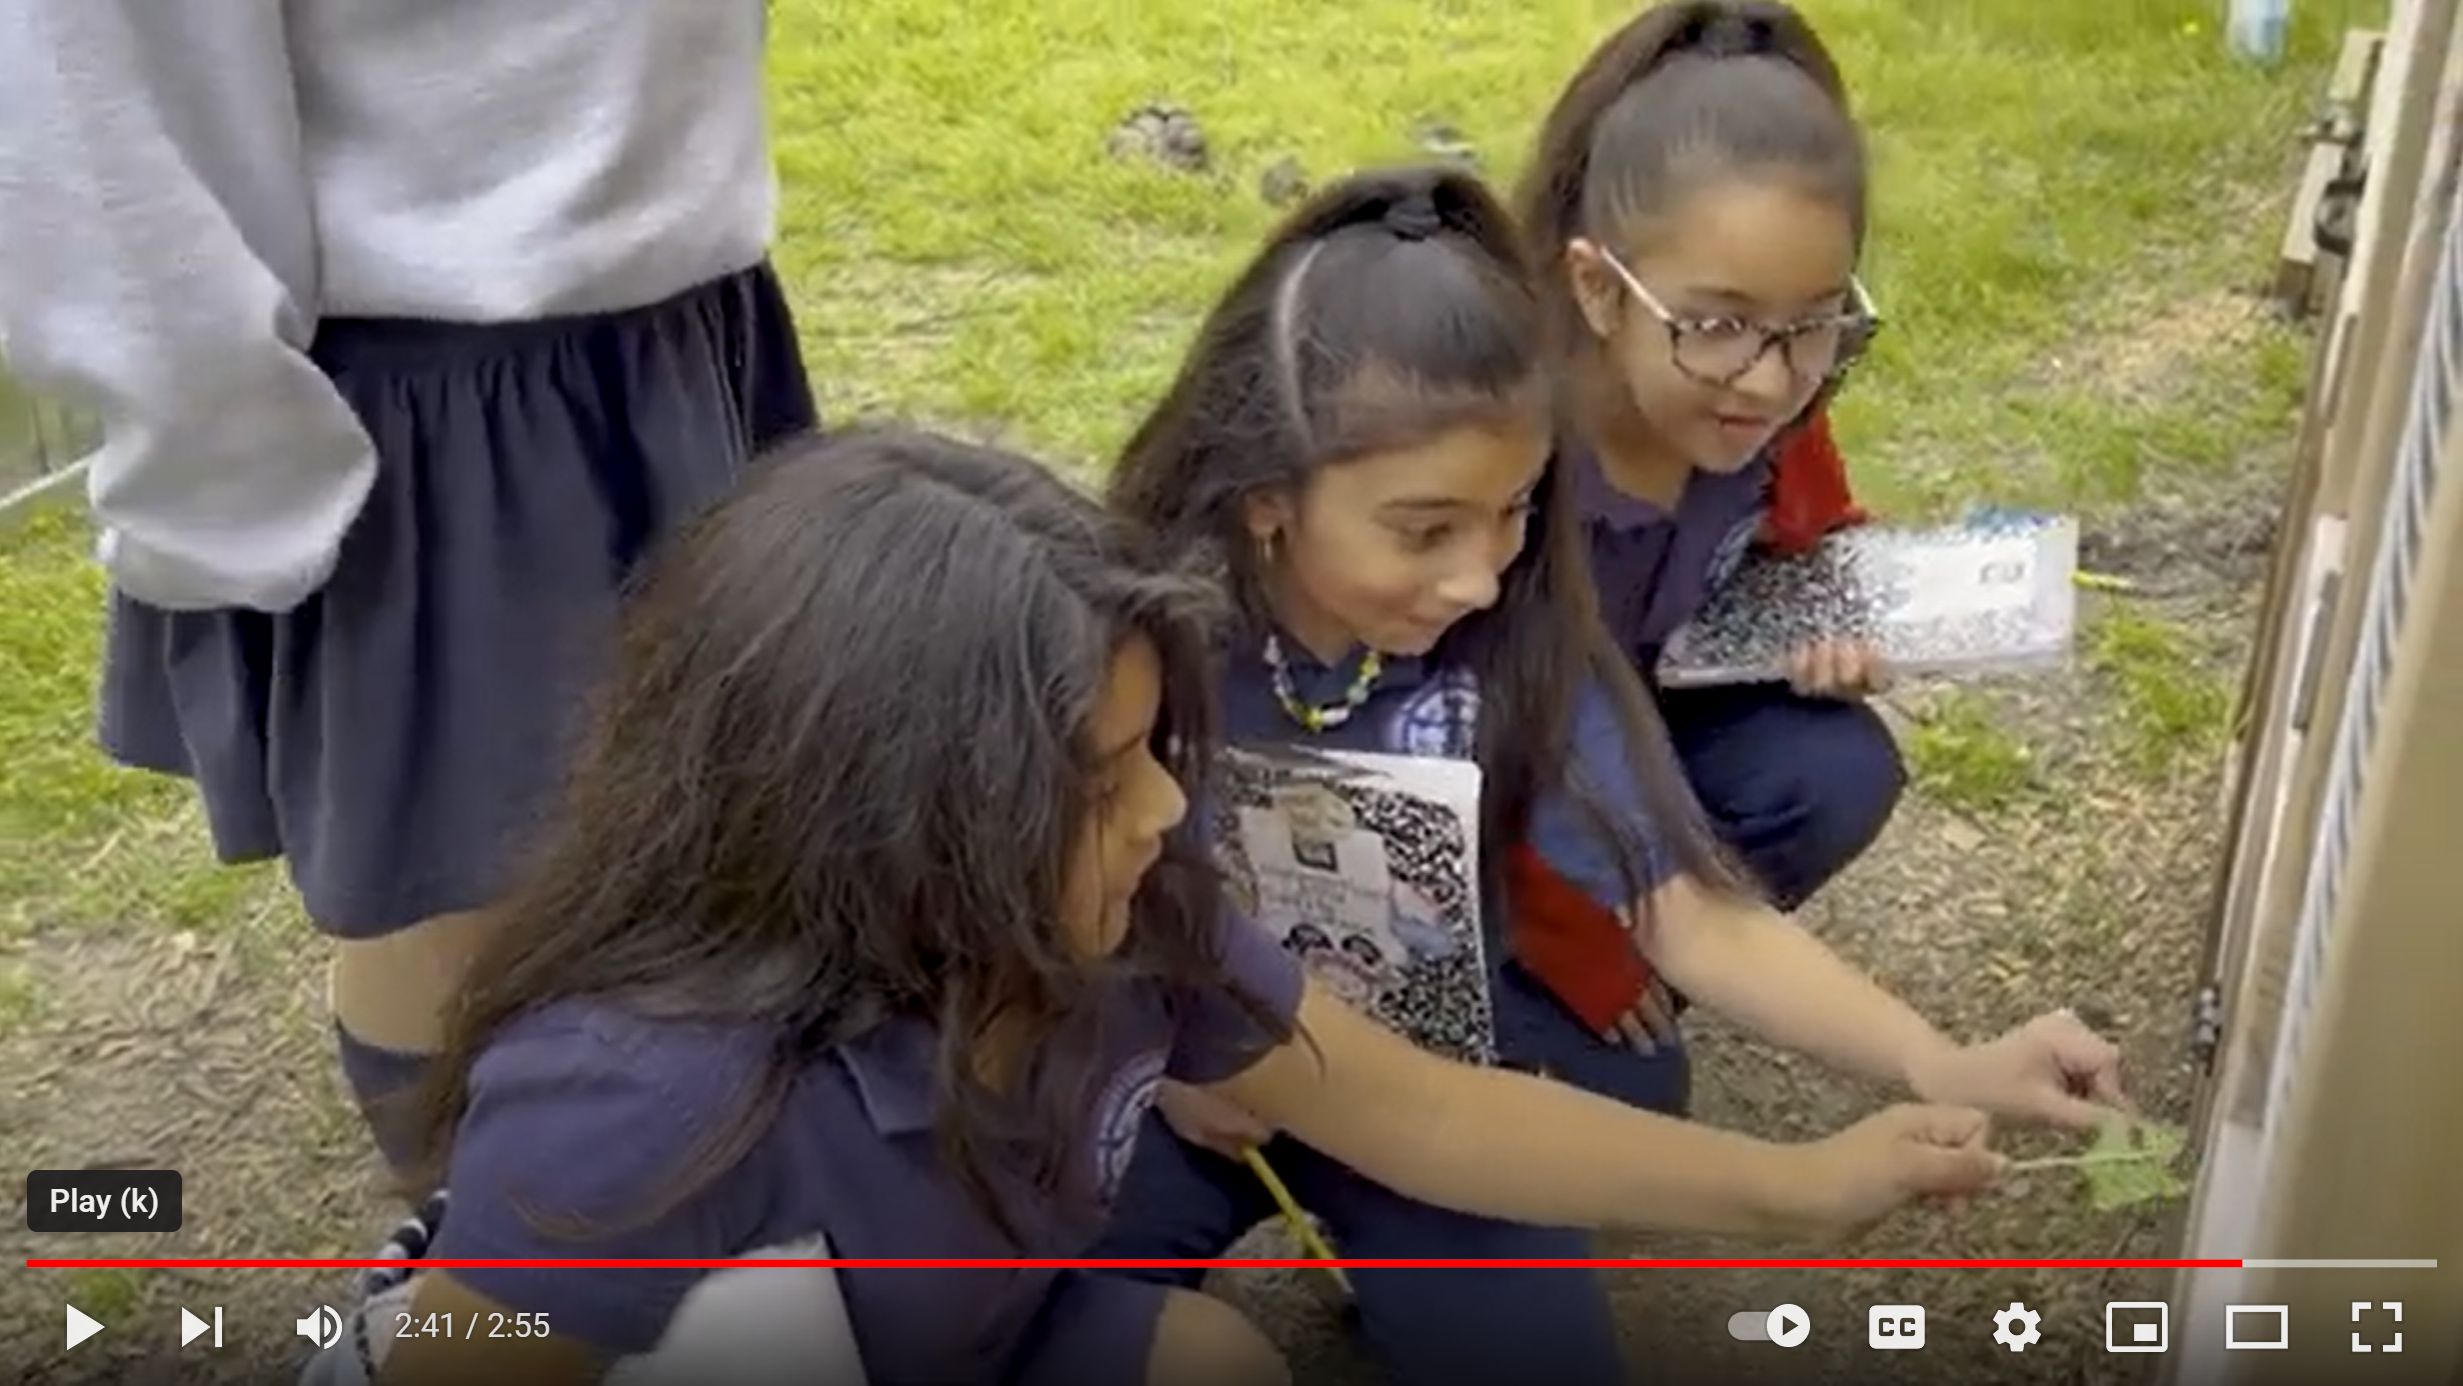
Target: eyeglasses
point(1719, 350)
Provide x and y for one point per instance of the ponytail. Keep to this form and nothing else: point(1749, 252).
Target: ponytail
point(1684, 86)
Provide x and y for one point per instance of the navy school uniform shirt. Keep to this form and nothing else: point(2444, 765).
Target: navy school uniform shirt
point(1417, 709)
point(1655, 566)
point(582, 1113)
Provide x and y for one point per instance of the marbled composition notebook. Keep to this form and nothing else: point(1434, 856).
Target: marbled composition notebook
point(1367, 867)
point(1989, 595)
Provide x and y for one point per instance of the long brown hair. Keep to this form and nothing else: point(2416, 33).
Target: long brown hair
point(1392, 307)
point(836, 778)
point(1685, 94)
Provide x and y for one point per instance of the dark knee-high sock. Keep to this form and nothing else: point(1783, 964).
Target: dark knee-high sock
point(381, 1081)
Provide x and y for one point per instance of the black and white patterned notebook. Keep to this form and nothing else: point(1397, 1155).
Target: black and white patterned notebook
point(1367, 867)
point(1993, 594)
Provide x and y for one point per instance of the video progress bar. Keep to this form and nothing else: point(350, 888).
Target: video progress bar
point(2338, 1265)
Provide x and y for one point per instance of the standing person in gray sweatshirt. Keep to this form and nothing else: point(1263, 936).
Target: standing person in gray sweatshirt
point(411, 323)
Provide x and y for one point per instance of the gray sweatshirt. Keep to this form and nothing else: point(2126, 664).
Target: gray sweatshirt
point(188, 186)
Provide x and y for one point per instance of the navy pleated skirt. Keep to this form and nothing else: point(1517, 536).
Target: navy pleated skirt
point(396, 737)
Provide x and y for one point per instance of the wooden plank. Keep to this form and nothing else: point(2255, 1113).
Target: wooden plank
point(2338, 149)
point(2296, 264)
point(2354, 67)
point(2251, 798)
point(2293, 575)
point(2305, 569)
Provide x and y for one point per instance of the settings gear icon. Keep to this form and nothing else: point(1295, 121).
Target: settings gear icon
point(2015, 1327)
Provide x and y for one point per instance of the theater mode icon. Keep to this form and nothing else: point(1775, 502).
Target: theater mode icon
point(2259, 1327)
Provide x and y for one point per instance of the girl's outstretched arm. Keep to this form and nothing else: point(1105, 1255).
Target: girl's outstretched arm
point(1737, 956)
point(1777, 981)
point(1509, 1145)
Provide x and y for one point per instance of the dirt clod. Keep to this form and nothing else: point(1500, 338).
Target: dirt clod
point(1283, 183)
point(1161, 133)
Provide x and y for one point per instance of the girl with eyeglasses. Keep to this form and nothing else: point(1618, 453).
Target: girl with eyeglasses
point(1698, 202)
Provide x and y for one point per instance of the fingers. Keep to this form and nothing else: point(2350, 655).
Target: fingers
point(1635, 1031)
point(1950, 1170)
point(1658, 1012)
point(1873, 672)
point(1802, 671)
point(2105, 1088)
point(2073, 1113)
point(1940, 1125)
point(1940, 1151)
point(2090, 1065)
point(1836, 669)
point(1212, 1122)
point(1234, 1138)
point(1650, 1025)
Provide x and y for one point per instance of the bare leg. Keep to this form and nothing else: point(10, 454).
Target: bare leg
point(1202, 1341)
point(389, 997)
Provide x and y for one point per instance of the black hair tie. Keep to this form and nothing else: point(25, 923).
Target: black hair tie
point(1732, 35)
point(1414, 218)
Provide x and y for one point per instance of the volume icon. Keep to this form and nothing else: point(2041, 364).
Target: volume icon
point(321, 1326)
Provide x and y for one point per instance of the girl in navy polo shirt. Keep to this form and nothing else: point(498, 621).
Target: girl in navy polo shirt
point(870, 920)
point(1697, 200)
point(1362, 438)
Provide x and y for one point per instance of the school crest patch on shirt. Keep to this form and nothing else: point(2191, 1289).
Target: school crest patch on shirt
point(1119, 1113)
point(1439, 718)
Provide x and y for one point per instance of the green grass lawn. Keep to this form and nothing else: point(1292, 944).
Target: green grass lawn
point(2070, 197)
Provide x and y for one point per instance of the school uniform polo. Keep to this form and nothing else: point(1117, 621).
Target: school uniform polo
point(583, 1116)
point(1798, 787)
point(1417, 709)
point(1474, 1322)
point(1657, 565)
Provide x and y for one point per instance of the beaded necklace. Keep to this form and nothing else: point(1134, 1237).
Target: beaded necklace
point(1334, 714)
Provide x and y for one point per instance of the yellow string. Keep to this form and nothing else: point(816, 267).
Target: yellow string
point(1293, 1215)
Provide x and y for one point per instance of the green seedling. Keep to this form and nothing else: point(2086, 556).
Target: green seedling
point(2131, 1162)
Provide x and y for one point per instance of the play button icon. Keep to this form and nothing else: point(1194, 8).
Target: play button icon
point(1787, 1325)
point(81, 1326)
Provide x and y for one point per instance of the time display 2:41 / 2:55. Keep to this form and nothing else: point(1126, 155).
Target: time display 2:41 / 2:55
point(469, 1326)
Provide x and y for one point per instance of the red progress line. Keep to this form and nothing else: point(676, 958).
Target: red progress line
point(1599, 1263)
